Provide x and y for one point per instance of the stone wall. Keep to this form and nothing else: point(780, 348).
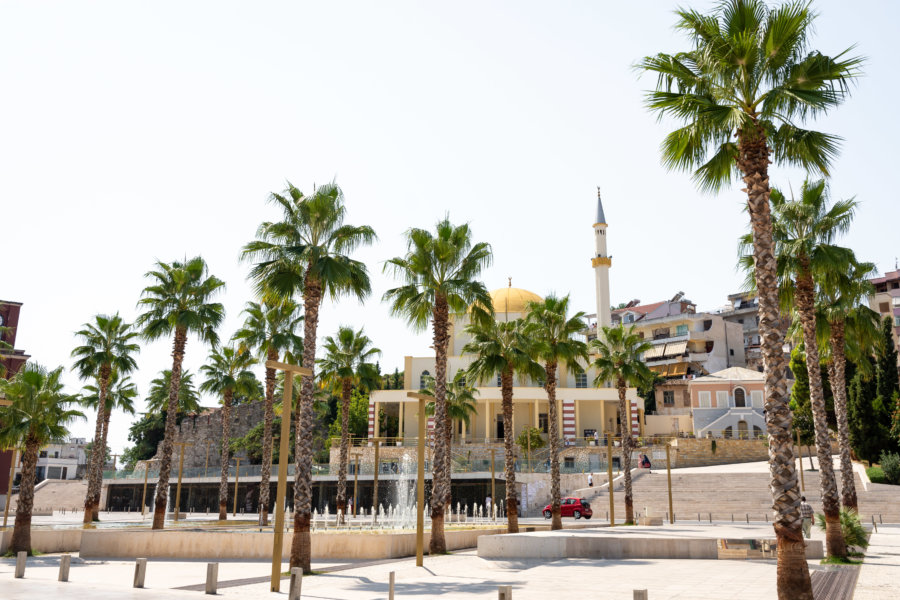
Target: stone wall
point(198, 429)
point(691, 452)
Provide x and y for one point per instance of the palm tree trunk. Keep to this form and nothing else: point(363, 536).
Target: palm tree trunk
point(831, 506)
point(793, 572)
point(98, 485)
point(512, 507)
point(265, 470)
point(21, 537)
point(346, 389)
point(440, 476)
point(161, 499)
point(301, 544)
point(227, 398)
point(839, 389)
point(627, 448)
point(553, 415)
point(96, 456)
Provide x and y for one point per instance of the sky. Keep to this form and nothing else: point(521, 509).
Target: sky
point(135, 132)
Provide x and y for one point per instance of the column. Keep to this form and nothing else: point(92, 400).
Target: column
point(464, 430)
point(377, 423)
point(602, 418)
point(537, 419)
point(578, 431)
point(487, 418)
point(402, 429)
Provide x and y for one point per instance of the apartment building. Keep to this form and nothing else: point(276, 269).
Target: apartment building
point(886, 300)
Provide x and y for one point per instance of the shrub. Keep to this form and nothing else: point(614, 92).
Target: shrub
point(854, 533)
point(890, 465)
point(876, 475)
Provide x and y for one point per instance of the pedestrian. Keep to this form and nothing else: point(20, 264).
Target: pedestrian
point(596, 438)
point(806, 511)
point(590, 480)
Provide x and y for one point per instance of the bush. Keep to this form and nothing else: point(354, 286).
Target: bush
point(854, 533)
point(876, 475)
point(890, 465)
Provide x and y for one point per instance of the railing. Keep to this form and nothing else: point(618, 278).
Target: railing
point(213, 472)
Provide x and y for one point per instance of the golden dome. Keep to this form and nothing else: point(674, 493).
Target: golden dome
point(512, 300)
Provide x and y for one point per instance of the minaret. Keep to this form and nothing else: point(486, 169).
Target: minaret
point(601, 263)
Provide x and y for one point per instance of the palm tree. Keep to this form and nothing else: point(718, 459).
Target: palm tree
point(226, 372)
point(39, 413)
point(269, 329)
point(178, 302)
point(502, 349)
point(743, 90)
point(439, 274)
point(553, 332)
point(120, 395)
point(347, 365)
point(157, 399)
point(107, 345)
point(618, 359)
point(803, 231)
point(461, 403)
point(846, 327)
point(308, 251)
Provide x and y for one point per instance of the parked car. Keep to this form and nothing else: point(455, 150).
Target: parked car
point(571, 507)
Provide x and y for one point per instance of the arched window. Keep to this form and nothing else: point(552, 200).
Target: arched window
point(742, 430)
point(740, 398)
point(423, 380)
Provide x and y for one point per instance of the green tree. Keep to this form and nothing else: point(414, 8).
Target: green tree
point(308, 252)
point(358, 421)
point(553, 332)
point(157, 399)
point(145, 434)
point(886, 375)
point(648, 392)
point(618, 359)
point(39, 413)
point(461, 403)
point(530, 439)
point(270, 330)
point(347, 365)
point(440, 274)
point(120, 395)
point(867, 418)
point(107, 345)
point(178, 303)
point(743, 90)
point(502, 349)
point(226, 372)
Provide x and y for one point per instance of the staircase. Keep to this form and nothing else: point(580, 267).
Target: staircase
point(57, 494)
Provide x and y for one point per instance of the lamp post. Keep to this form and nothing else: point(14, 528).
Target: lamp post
point(356, 484)
point(183, 445)
point(290, 371)
point(375, 481)
point(237, 477)
point(144, 493)
point(493, 494)
point(420, 479)
point(669, 478)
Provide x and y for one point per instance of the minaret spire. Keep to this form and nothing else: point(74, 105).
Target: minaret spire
point(601, 218)
point(601, 264)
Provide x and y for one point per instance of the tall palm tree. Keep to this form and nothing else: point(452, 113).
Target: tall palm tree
point(502, 349)
point(804, 230)
point(226, 373)
point(846, 327)
point(107, 345)
point(743, 90)
point(120, 395)
point(179, 302)
point(157, 399)
point(553, 332)
point(39, 413)
point(618, 359)
point(270, 329)
point(461, 403)
point(308, 251)
point(440, 277)
point(347, 365)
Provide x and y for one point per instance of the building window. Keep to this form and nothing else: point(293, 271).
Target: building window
point(569, 462)
point(669, 397)
point(896, 301)
point(543, 422)
point(499, 382)
point(731, 351)
point(741, 321)
point(707, 324)
point(681, 330)
point(460, 378)
point(884, 307)
point(740, 398)
point(756, 398)
point(43, 454)
point(423, 380)
point(896, 321)
point(721, 399)
point(705, 400)
point(581, 380)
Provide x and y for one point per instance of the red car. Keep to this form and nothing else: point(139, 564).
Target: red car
point(571, 507)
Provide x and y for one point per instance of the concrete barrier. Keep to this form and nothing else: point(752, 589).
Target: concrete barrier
point(47, 541)
point(108, 543)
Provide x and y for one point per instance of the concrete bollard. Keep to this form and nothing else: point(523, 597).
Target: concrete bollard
point(21, 556)
point(391, 586)
point(748, 518)
point(296, 583)
point(140, 572)
point(212, 577)
point(504, 592)
point(640, 595)
point(710, 518)
point(64, 562)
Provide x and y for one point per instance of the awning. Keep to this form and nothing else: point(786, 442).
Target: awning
point(677, 370)
point(660, 369)
point(675, 348)
point(655, 352)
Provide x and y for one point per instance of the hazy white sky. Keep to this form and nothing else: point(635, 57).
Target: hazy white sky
point(131, 132)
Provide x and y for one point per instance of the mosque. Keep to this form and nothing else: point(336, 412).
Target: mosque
point(583, 408)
